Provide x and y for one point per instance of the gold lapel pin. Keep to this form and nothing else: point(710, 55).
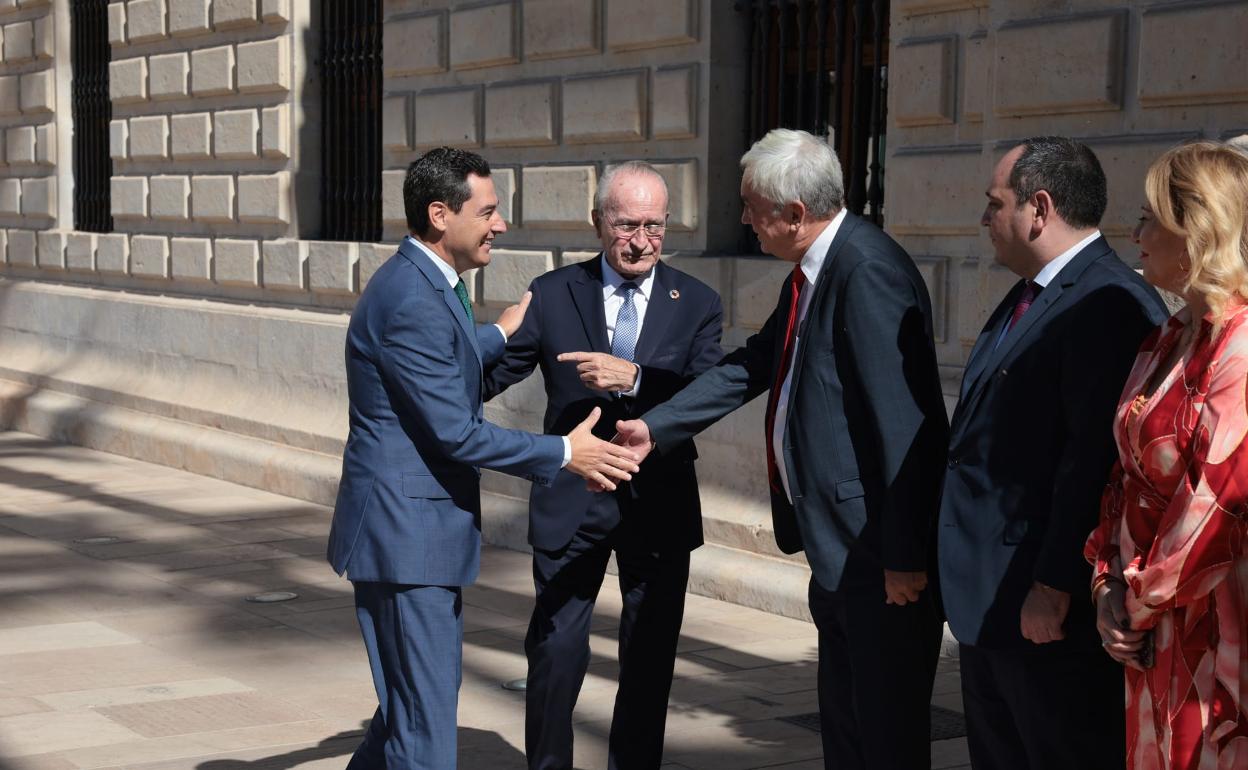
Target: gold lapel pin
point(674, 294)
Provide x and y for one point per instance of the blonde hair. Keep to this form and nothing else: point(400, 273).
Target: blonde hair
point(1199, 191)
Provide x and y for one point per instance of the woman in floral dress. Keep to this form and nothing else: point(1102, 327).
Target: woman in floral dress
point(1171, 550)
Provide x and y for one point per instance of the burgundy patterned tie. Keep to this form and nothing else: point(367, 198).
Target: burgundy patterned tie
point(1024, 302)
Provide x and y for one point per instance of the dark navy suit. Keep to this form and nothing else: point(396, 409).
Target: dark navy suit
point(651, 523)
point(407, 522)
point(863, 445)
point(1030, 451)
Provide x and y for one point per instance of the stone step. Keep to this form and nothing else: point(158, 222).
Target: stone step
point(717, 569)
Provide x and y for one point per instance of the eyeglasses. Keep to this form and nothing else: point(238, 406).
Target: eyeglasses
point(627, 230)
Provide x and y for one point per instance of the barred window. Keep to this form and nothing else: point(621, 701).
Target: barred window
point(91, 112)
point(822, 65)
point(351, 120)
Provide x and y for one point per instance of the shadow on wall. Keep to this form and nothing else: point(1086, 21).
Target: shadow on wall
point(68, 425)
point(306, 163)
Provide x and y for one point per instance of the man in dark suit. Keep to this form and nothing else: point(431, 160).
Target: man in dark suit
point(620, 332)
point(856, 434)
point(407, 522)
point(1030, 452)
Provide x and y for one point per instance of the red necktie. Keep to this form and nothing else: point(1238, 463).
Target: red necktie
point(1030, 290)
point(796, 281)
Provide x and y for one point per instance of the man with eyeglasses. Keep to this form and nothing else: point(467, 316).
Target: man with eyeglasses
point(624, 332)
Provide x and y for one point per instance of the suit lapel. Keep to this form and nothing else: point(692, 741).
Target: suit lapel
point(977, 362)
point(660, 308)
point(586, 291)
point(1049, 298)
point(827, 275)
point(418, 257)
point(1041, 305)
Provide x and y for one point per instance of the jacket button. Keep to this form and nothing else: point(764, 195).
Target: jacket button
point(953, 462)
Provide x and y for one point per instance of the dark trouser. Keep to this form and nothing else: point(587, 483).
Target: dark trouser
point(877, 663)
point(557, 645)
point(414, 637)
point(1045, 706)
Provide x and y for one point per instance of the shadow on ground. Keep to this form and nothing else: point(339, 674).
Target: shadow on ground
point(199, 544)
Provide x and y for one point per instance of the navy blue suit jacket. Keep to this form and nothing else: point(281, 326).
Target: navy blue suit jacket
point(409, 504)
point(865, 436)
point(1032, 445)
point(660, 508)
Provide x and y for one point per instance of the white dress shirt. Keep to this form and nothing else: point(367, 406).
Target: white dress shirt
point(812, 263)
point(453, 278)
point(1050, 271)
point(613, 300)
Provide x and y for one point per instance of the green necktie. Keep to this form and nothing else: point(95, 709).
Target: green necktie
point(462, 292)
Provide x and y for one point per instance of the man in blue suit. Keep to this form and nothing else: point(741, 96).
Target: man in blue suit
point(407, 523)
point(1030, 450)
point(620, 332)
point(856, 433)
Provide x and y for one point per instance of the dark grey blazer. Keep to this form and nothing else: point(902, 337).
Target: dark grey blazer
point(1032, 445)
point(866, 432)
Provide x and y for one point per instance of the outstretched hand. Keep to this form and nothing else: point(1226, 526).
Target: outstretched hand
point(633, 435)
point(600, 463)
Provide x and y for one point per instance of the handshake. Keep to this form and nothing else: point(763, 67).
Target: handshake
point(603, 463)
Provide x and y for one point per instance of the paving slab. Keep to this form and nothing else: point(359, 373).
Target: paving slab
point(141, 650)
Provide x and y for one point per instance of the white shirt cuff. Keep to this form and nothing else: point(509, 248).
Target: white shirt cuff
point(567, 451)
point(500, 331)
point(636, 384)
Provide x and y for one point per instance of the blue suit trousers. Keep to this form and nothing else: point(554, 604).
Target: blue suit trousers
point(414, 637)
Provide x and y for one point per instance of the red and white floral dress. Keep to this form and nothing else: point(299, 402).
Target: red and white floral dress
point(1174, 527)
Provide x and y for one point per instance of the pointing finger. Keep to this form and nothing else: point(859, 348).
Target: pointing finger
point(575, 356)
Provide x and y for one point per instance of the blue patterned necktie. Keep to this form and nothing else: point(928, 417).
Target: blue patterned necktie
point(461, 291)
point(626, 323)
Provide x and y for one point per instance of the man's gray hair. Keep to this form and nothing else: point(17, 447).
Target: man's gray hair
point(787, 166)
point(640, 167)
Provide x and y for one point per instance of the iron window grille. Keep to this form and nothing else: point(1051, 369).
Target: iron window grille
point(822, 65)
point(91, 111)
point(350, 64)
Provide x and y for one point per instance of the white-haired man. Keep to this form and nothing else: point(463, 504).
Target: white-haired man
point(621, 331)
point(856, 435)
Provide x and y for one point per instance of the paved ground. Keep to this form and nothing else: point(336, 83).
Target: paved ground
point(144, 652)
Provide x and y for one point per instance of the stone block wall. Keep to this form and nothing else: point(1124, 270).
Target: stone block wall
point(970, 78)
point(552, 92)
point(214, 134)
point(192, 82)
point(28, 101)
point(203, 98)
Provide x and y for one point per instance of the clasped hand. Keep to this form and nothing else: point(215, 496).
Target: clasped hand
point(599, 462)
point(632, 436)
point(1114, 625)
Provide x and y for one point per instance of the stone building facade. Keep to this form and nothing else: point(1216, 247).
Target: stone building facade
point(206, 330)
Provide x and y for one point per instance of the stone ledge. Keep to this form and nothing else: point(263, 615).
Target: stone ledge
point(81, 337)
point(276, 468)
